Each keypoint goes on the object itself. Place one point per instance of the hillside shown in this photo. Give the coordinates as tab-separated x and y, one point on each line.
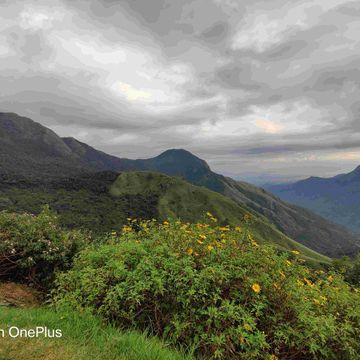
44	158
102	202
30	149
336	198
299	224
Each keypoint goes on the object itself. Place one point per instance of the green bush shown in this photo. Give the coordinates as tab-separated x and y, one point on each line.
349	268
214	289
32	247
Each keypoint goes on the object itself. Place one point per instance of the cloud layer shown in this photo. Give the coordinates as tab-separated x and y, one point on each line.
263	90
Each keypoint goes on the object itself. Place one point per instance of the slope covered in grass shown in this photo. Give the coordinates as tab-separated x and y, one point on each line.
83	337
178	199
102	202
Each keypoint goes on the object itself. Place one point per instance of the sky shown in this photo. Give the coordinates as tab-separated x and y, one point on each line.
265	91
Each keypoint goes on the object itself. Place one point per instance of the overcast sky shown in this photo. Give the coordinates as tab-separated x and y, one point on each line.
262	90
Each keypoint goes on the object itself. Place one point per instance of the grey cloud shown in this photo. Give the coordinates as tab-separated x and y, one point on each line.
215	32
315	65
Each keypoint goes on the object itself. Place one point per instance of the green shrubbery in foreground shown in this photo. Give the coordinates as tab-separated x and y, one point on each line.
209	289
215	290
32	247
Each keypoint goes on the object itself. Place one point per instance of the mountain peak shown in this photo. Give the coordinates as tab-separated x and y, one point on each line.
179	162
179	153
182	158
356	171
22	132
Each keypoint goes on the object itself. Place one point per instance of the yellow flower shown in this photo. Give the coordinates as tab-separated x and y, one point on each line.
256	288
295	252
282	275
273	357
288	263
308	282
210	247
316	302
247	327
209	214
276	286
166	222
190	251
247	217
200	242
201	236
238	228
254	243
127	228
330	278
224	228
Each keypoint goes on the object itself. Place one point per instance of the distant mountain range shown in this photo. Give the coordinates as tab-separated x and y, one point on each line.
336	198
31	151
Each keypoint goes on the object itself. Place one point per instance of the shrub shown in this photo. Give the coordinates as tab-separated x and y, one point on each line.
32	247
216	290
349	268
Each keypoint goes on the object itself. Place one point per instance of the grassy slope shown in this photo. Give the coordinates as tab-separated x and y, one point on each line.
84	337
180	199
86	202
298	223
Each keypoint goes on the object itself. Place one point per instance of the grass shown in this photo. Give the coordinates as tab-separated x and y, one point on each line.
84	337
87	203
179	199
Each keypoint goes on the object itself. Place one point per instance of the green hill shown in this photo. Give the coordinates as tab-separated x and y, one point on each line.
34	157
178	199
102	202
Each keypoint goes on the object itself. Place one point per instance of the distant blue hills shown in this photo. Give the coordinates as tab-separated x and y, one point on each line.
337	198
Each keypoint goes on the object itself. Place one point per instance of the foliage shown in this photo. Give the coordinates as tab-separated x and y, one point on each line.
101	204
349	268
32	247
215	289
80	202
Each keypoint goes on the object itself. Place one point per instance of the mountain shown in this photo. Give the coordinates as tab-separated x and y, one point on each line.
296	222
336	198
44	155
30	149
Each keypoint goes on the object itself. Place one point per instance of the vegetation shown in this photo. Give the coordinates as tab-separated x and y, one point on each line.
32	248
31	151
349	268
216	290
84	337
143	195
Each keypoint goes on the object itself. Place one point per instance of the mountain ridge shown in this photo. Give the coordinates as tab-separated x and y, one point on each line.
336	198
299	224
